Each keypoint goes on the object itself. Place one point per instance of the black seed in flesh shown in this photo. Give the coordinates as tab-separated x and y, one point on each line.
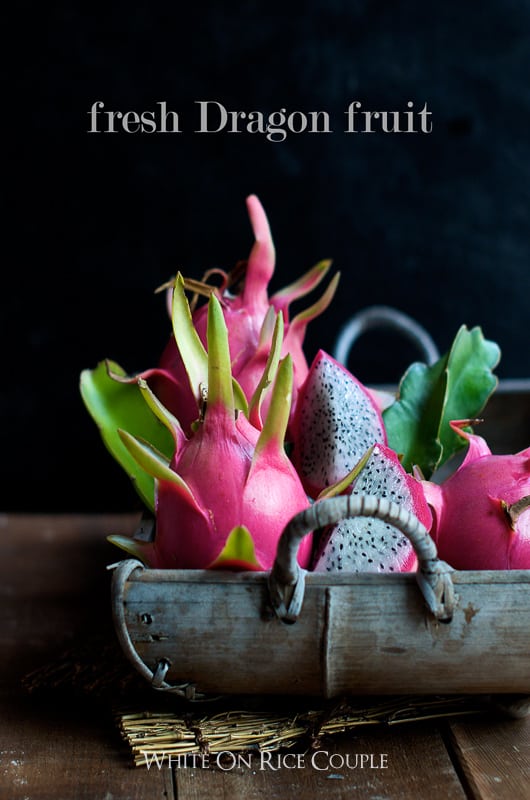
369	545
338	422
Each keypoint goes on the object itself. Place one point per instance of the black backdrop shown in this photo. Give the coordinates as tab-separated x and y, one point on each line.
434	224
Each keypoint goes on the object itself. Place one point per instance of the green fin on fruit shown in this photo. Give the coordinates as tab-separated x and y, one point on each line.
238	552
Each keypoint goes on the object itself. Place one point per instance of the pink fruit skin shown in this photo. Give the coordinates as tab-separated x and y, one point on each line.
471	526
226	474
244	316
216	464
244	313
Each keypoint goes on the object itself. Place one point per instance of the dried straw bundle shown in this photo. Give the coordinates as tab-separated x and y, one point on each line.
180	735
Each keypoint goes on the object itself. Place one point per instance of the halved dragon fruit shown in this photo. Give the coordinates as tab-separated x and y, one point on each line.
482	511
364	544
335	422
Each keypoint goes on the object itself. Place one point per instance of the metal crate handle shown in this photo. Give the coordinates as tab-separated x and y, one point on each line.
122	572
286	579
384	318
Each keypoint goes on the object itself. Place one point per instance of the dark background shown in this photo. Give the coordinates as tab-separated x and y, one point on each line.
436	225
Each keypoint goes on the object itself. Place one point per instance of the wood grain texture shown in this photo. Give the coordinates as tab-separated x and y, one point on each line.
416	765
54	588
494	755
56	751
362	634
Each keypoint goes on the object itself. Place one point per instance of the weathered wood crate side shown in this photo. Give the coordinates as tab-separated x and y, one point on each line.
356	634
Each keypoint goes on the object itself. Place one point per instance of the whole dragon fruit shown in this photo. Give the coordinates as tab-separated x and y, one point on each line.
229	490
482	511
249	315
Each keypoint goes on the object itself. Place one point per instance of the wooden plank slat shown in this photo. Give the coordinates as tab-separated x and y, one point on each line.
53	586
352	637
417	765
58	752
494	755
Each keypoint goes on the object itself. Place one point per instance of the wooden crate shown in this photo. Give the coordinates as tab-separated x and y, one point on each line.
215	632
356	634
227	633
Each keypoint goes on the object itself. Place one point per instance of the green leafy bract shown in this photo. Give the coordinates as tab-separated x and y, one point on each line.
457	386
238	551
114	404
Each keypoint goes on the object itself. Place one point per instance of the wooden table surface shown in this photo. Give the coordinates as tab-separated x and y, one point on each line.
54	588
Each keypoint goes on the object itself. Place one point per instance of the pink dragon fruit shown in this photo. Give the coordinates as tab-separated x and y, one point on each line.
335	422
482	511
250	317
364	544
229	490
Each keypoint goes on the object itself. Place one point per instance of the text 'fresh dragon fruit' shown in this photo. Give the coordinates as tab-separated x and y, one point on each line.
482	511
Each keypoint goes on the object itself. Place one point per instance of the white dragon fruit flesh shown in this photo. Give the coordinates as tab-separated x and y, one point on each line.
481	513
336	420
364	544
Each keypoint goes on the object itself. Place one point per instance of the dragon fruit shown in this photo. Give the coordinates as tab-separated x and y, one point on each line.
482	511
229	490
363	544
216	474
335	422
249	316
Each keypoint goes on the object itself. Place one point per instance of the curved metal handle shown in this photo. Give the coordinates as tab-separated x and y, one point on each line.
286	579
384	317
122	572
